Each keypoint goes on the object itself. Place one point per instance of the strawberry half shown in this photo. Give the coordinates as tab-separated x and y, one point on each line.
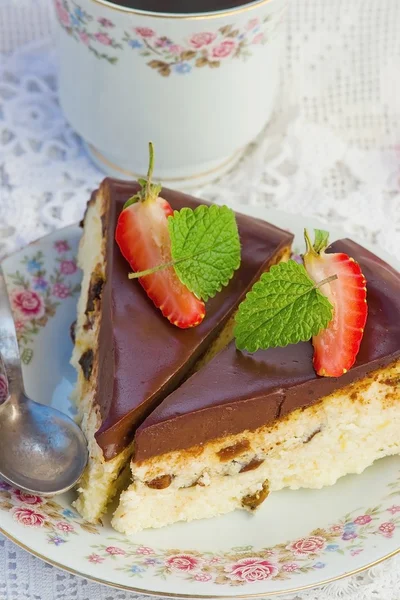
337	346
143	238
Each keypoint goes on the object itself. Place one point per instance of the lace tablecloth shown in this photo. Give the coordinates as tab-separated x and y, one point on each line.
332	151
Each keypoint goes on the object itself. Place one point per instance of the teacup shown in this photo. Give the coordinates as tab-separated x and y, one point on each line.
200	86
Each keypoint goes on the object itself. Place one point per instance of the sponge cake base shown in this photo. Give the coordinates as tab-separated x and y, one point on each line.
311	448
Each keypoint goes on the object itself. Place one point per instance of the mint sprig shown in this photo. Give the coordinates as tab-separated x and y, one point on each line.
284	307
205	249
205	245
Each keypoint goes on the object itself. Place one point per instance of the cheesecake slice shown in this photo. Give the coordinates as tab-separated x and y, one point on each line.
248	424
127	355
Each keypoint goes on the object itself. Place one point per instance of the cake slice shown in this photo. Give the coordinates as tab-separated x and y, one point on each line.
127	355
248	424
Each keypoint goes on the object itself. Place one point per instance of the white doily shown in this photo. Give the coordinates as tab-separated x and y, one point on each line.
331	151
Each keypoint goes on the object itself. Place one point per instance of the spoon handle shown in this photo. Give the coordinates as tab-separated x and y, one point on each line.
9	351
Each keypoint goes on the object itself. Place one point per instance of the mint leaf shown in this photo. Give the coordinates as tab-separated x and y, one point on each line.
284	307
205	248
321	240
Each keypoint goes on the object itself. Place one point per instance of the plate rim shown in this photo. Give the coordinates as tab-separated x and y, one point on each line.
256	212
160	594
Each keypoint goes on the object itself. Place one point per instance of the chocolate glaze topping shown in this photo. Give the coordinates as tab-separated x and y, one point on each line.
142	357
238	391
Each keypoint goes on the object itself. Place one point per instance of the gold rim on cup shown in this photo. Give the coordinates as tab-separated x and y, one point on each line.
184	17
108	163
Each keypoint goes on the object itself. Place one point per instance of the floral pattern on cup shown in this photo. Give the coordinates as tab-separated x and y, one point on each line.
166	56
235	567
35	294
95	34
203	49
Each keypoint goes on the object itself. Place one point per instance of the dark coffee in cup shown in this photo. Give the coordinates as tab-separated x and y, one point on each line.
180	6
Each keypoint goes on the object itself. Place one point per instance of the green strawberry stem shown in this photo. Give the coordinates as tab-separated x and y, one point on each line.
148	191
320	242
309	244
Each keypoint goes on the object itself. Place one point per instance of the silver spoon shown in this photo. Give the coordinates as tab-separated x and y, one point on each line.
42	451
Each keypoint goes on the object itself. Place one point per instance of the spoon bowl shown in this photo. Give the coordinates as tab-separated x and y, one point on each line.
42	450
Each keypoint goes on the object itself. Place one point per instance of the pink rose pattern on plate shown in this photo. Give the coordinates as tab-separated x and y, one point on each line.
182	562
236	567
28	516
26	304
35	294
202	49
65	527
114	551
95	558
252	569
26	498
29	510
307	545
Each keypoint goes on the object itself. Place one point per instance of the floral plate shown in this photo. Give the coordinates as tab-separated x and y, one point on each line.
298	539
